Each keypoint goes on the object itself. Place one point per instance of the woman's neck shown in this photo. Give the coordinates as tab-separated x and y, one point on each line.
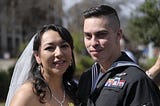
54	81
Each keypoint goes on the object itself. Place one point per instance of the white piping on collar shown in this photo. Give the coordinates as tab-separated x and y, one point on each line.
95	71
122	63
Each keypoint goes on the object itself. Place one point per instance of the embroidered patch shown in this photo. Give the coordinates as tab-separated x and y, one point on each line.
116	82
121	74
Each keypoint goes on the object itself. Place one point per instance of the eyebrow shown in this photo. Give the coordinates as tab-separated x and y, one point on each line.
101	31
52	43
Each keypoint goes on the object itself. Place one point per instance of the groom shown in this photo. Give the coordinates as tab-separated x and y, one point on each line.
114	79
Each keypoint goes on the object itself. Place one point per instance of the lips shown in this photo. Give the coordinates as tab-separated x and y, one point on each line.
59	62
95	52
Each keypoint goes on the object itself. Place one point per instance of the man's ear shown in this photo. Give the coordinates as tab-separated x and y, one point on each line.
119	34
37	56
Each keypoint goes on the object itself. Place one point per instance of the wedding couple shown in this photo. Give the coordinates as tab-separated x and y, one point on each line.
43	75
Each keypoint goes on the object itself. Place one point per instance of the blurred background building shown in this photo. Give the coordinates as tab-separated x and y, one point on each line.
20	19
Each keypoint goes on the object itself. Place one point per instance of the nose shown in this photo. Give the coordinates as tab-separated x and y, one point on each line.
94	41
58	52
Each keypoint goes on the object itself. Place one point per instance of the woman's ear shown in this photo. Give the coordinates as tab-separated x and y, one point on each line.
37	56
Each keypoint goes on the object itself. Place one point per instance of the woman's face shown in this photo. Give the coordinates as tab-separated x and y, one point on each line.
54	53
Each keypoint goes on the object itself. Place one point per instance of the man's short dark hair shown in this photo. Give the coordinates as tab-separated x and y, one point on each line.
103	10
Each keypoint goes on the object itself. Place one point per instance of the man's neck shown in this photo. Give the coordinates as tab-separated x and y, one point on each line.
107	64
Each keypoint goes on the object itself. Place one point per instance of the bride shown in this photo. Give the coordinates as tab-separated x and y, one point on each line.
43	75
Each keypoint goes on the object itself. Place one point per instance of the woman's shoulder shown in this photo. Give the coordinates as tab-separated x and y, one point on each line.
24	96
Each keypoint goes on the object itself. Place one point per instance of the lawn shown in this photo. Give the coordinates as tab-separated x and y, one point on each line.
1	104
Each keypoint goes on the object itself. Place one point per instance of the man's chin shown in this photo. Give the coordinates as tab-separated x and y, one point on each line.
95	59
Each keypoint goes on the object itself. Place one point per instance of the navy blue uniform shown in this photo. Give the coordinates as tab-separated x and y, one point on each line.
124	84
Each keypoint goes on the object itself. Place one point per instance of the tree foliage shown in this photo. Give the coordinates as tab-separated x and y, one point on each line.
144	27
83	60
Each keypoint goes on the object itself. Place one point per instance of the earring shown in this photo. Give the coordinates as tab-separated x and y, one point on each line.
70	63
38	69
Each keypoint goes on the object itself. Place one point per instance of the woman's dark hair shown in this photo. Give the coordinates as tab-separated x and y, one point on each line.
40	85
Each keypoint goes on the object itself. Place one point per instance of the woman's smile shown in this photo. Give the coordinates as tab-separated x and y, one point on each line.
59	63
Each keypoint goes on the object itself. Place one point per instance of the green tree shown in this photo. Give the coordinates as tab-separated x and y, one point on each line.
145	26
4	84
83	60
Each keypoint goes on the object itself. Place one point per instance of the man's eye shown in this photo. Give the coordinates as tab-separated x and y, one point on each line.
102	34
87	36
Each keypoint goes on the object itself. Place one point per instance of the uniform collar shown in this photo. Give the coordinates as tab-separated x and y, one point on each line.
123	60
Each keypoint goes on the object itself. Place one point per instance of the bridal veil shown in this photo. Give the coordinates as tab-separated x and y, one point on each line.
21	71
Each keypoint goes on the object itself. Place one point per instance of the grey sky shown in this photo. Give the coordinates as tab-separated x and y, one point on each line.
128	8
69	3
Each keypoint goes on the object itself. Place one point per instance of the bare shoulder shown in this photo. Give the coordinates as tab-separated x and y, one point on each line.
25	96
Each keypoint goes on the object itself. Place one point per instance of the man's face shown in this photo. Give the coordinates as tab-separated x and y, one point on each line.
100	40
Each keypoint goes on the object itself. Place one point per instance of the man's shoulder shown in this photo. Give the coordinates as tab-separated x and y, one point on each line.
135	71
135	74
87	72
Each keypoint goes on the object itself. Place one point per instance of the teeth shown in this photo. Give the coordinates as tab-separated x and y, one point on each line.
59	62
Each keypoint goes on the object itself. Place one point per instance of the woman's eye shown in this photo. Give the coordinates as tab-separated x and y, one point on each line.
65	45
50	48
